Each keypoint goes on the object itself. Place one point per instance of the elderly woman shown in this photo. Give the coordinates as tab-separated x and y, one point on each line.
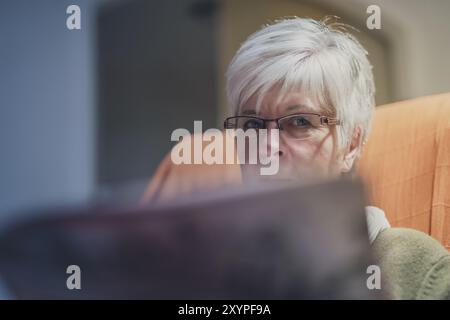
312	81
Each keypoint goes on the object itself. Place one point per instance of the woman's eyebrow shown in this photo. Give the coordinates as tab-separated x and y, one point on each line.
248	112
295	107
300	107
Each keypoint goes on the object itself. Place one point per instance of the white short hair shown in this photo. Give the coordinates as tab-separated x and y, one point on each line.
319	58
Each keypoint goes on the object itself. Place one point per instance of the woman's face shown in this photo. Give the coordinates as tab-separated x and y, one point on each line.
314	157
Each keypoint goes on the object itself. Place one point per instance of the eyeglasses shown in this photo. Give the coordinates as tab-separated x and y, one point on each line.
298	126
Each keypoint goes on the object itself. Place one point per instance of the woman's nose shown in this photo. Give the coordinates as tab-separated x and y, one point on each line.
271	124
274	144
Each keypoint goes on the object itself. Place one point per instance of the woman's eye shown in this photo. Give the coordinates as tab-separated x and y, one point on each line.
301	122
252	124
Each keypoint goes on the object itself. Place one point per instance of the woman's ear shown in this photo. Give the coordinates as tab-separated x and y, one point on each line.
352	151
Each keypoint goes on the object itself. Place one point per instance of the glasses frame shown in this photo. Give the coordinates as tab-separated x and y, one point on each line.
324	120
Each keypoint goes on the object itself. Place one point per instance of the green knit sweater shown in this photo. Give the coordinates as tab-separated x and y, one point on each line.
413	265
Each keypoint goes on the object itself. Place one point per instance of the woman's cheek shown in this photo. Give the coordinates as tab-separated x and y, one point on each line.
314	156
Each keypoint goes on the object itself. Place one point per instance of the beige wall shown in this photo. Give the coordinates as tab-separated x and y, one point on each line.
419	33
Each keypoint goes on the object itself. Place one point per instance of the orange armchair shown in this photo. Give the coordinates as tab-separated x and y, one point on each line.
405	165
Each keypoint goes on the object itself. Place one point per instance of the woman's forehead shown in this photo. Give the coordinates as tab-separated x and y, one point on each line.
273	103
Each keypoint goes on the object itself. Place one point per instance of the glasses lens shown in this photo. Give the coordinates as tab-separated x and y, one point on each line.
301	126
246	123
